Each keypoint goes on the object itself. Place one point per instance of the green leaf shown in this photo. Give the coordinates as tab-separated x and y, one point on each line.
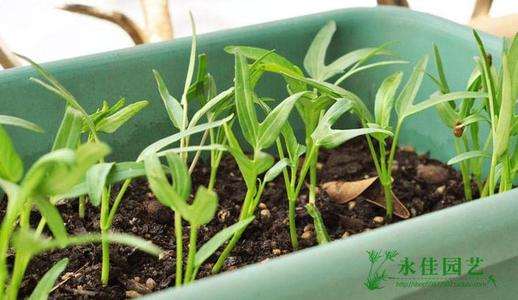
406	97
46	283
347	60
327	137
180	174
320	227
203	207
119	172
27	242
434	100
11	165
447	114
503	128
96	178
159	184
54	86
314	61
53	219
223	96
172	106
246	113
271	127
335	137
162	143
263	162
211	147
385	98
467	155
274	171
113	122
57	172
353	71
218	240
246	166
440	70
69	133
14	121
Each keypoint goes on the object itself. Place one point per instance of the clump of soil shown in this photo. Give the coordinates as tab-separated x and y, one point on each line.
422	184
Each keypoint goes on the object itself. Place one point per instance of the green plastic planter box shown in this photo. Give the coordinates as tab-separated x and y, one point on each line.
485	229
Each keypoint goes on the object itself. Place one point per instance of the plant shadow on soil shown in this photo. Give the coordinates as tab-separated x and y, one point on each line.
134	273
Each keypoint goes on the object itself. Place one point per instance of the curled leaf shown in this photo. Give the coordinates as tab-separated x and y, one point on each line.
345	191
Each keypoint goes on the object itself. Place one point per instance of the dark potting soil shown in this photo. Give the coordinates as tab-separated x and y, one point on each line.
422	184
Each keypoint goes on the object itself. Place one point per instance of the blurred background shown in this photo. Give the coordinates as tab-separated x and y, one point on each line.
48	30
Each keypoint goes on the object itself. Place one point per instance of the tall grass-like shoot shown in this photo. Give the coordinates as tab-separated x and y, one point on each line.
497	110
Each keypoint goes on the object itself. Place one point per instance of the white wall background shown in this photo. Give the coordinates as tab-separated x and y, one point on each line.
37	29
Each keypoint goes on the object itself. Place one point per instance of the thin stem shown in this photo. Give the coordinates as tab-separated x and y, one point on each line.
230	246
20	264
293	226
198	153
305	167
178	231
82	207
389	201
466	176
105	265
193	236
105	243
117	201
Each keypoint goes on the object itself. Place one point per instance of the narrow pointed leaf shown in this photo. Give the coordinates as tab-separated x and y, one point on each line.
172	106
180	174
69	133
162	143
96	178
113	122
274	171
53	218
218	240
11	165
203	207
407	96
385	98
14	121
246	113
434	100
46	283
314	61
271	127
466	156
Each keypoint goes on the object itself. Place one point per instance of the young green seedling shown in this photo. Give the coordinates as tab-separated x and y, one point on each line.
197	214
53	174
498	110
312	105
213	106
259	135
77	122
388	99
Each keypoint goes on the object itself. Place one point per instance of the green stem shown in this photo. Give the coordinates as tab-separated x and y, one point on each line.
178	231
304	170
117	201
82	207
20	264
193	236
235	238
389	202
293	226
464	170
105	265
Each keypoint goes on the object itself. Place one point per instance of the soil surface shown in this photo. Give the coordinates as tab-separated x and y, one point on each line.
422	184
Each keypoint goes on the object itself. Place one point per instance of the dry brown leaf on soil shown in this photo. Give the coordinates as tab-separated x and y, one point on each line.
345	191
400	210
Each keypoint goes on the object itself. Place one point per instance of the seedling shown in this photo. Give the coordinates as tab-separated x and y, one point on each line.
312	105
259	135
497	110
53	174
178	112
388	99
75	123
197	214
